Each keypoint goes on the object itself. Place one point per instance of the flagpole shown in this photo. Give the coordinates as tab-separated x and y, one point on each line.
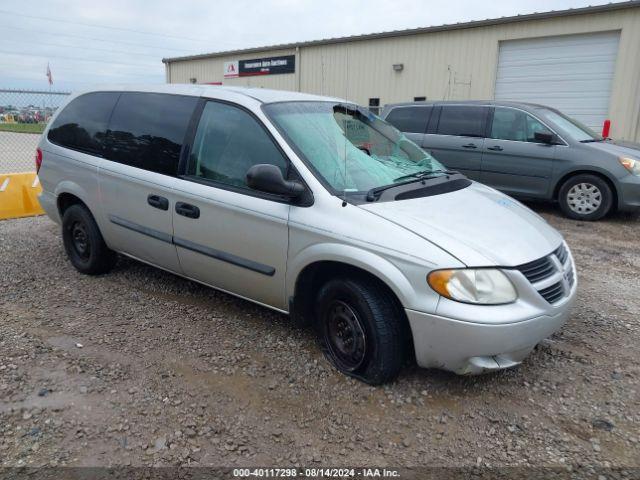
49	78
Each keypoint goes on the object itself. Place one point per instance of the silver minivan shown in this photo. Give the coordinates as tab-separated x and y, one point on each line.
311	206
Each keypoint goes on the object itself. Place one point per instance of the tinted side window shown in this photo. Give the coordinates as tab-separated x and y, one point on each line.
147	130
410	119
228	142
515	125
466	121
82	125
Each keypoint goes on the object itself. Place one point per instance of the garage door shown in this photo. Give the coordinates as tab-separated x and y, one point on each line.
572	73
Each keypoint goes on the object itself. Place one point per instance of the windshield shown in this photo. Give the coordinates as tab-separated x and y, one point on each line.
575	129
349	147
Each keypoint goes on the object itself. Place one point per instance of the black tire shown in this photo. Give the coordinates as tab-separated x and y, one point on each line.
378	319
585	197
83	242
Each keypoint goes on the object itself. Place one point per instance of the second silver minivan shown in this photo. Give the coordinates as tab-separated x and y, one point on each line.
311	206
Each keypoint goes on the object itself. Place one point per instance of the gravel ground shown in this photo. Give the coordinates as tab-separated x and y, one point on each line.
140	367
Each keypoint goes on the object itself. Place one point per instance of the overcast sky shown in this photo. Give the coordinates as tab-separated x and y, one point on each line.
123	41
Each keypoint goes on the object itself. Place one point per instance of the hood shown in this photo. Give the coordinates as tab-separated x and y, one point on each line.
477	225
619	148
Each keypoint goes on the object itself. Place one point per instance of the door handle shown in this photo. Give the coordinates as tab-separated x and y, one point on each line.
470	145
495	148
156	201
187	210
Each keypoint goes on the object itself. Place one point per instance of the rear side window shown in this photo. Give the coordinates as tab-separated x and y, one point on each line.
147	130
410	119
462	120
82	125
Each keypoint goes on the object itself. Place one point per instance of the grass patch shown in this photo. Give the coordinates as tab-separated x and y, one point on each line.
22	127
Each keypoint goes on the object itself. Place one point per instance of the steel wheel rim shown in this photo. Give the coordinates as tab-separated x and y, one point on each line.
584	198
345	336
80	240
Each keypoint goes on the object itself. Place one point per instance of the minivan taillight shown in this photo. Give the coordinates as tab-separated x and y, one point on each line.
38	159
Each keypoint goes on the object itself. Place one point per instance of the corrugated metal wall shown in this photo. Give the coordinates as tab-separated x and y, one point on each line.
455	64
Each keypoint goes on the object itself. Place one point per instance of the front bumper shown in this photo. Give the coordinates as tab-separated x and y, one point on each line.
629	193
468	348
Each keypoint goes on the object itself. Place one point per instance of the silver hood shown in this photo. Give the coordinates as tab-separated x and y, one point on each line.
477	225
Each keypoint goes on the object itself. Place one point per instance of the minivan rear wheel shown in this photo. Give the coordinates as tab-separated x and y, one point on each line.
585	197
361	330
83	242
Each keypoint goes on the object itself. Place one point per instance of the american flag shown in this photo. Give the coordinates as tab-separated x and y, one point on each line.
49	75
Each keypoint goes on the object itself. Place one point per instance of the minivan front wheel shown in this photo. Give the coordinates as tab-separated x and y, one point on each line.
83	242
585	197
361	329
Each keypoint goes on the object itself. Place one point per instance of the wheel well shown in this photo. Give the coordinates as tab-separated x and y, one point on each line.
65	200
313	276
589	172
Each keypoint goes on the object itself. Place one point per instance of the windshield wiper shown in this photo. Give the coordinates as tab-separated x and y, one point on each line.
592	140
376	191
423	174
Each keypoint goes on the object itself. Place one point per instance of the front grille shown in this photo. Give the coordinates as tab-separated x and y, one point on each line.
547	268
538	269
570	278
562	254
553	293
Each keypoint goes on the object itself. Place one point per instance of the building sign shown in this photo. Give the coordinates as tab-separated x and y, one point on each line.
231	69
260	66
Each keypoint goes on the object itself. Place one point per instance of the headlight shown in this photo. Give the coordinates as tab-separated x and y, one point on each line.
630	164
484	286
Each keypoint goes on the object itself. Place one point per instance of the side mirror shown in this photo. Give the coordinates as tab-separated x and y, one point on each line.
268	178
544	137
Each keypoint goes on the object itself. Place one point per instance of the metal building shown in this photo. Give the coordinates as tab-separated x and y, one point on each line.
584	61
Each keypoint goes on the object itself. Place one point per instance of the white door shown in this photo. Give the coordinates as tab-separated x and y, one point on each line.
572	73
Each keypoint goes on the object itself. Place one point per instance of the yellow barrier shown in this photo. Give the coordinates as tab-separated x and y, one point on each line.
19	195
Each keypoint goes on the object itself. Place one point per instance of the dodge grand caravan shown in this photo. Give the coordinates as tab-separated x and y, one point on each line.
313	207
528	151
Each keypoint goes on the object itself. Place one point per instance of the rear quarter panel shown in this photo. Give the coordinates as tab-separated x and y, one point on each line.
67	171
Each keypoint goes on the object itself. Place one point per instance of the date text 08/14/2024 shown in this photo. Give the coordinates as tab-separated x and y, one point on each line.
316	472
